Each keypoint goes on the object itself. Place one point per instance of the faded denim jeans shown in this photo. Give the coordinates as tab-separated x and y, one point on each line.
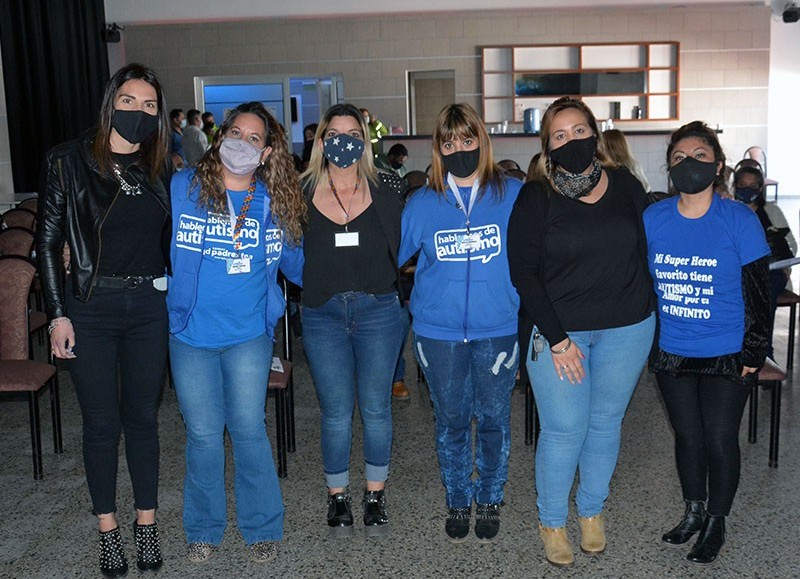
471	380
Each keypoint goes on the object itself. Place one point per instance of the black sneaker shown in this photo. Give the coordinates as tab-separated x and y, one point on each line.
340	515
457	524
487	522
376	521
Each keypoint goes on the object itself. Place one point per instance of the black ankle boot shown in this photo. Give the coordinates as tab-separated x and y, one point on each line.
340	515
709	542
113	562
376	521
148	547
457	524
693	520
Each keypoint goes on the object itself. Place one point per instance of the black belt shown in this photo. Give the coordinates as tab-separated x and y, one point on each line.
127	282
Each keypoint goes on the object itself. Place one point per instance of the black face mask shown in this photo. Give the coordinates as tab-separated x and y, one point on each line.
134	126
747	194
462	164
396	164
692	176
576	155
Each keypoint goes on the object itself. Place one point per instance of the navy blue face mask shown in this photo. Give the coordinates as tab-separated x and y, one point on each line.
747	194
342	150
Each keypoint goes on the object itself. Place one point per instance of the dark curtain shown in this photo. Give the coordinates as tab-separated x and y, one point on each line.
55	67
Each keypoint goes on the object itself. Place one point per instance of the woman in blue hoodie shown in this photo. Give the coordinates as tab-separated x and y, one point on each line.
235	221
464	312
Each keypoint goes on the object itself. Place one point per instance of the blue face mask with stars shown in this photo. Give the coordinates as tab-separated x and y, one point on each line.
342	150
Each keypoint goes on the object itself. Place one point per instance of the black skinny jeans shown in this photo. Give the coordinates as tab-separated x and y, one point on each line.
705	413
120	334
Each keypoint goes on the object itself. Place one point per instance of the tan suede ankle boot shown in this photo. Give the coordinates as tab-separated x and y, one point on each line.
557	549
593	535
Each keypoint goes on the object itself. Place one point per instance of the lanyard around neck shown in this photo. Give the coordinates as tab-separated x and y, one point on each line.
238	221
467	210
339	201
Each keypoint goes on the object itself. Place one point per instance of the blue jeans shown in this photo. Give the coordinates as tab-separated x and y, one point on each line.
219	388
352	342
581	423
471	380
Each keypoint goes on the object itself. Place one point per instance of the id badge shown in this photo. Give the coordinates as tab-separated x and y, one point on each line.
470	242
346	239
238	265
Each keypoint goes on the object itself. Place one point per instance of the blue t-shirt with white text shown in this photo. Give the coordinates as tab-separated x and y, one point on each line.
696	265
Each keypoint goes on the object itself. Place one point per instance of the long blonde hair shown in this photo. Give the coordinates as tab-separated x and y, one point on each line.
543	169
459	121
287	202
618	149
318	164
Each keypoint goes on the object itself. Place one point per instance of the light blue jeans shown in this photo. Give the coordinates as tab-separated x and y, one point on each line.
352	342
581	423
219	388
471	380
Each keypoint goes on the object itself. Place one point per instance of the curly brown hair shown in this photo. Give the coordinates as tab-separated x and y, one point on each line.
287	202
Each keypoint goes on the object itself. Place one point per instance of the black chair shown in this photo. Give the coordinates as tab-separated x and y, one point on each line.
770	376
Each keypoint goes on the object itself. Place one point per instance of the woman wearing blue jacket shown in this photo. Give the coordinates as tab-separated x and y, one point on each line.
464	312
236	220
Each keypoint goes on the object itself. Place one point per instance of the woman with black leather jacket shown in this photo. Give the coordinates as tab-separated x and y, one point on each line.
105	195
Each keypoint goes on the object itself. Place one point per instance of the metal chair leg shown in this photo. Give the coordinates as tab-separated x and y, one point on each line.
36	435
775	424
752	424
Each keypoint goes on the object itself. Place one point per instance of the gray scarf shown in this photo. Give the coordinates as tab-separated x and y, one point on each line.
577	185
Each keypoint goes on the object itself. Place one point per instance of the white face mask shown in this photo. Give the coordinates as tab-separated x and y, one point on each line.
183	124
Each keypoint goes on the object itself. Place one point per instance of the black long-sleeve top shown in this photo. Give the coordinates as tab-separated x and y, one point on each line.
580	266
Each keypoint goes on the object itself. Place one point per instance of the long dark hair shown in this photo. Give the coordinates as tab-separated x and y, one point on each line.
154	148
278	172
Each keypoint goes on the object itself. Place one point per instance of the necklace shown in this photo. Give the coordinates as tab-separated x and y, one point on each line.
339	201
134	190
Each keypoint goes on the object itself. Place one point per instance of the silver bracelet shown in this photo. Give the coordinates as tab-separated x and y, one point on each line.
55	322
564	349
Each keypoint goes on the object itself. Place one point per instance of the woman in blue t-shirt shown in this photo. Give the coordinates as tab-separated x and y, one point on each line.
235	221
464	312
708	260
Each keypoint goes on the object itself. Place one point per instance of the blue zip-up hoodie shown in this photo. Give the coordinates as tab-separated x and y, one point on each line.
182	285
462	290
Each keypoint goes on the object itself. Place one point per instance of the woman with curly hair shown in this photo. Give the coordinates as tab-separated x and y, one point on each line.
236	220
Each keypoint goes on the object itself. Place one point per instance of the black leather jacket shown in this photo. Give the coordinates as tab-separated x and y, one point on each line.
74	200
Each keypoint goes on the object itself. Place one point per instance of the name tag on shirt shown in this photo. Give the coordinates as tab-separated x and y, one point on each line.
470	242
238	265
346	239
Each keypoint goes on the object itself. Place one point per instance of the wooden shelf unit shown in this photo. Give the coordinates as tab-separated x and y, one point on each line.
507	69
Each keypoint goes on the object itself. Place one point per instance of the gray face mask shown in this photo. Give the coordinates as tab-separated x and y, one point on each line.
239	156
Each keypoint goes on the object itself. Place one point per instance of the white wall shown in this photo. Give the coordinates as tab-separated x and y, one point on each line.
782	144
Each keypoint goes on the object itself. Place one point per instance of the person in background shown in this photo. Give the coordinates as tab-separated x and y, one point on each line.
709	348
532	167
619	150
464	312
749	189
308	144
177	121
394	160
209	126
236	220
577	254
193	140
377	131
351	310
115	338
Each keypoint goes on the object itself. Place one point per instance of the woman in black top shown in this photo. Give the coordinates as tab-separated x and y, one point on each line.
351	313
105	195
577	256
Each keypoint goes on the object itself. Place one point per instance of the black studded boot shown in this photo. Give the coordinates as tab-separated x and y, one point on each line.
113	562
709	542
376	520
692	522
148	547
